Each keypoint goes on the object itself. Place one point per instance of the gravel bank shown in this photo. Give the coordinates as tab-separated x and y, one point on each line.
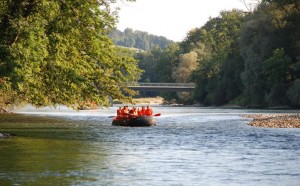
275	120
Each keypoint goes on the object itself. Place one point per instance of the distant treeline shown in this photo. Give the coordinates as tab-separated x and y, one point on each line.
138	39
246	58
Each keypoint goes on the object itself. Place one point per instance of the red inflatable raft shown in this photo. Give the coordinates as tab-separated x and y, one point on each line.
140	121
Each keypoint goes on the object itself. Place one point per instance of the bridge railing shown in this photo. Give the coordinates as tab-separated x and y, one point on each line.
188	85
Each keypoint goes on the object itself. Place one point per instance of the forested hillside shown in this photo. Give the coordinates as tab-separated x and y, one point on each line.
138	39
246	58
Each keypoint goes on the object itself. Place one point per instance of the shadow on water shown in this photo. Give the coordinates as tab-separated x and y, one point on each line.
47	151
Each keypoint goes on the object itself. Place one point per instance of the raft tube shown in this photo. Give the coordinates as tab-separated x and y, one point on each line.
141	121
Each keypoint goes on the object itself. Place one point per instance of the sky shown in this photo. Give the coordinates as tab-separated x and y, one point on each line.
171	18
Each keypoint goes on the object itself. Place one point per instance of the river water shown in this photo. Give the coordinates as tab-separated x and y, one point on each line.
189	146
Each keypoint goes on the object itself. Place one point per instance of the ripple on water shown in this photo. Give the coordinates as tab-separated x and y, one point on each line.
190	146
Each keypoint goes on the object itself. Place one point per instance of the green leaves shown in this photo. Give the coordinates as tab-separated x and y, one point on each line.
269	47
277	70
138	39
216	44
59	52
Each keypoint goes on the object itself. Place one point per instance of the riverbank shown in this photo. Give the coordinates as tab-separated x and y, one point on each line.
149	100
274	120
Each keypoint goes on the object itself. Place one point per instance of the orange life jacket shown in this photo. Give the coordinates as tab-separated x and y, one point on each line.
125	112
119	112
141	112
148	112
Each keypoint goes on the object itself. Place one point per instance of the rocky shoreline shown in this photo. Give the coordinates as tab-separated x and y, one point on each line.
274	120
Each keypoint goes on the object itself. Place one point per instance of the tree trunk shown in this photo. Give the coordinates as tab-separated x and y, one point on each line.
2	110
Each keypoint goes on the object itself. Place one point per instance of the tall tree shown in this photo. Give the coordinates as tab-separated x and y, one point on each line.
58	52
216	44
187	64
270	45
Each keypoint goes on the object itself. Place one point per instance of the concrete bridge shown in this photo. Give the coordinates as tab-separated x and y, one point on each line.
167	87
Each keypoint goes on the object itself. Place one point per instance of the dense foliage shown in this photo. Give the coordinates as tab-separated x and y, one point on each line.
138	39
157	65
58	52
219	63
246	58
270	45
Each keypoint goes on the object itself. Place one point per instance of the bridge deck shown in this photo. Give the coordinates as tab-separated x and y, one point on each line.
176	87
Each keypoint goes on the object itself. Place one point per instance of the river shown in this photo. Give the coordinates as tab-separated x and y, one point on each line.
189	146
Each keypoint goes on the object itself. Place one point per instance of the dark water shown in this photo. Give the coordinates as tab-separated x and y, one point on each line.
190	146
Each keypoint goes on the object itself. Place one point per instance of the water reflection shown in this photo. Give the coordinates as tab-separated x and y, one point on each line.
47	149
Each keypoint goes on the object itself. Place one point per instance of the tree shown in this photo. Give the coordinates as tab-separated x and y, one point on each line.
293	93
182	73
58	52
216	43
277	70
269	45
147	62
187	64
256	44
139	39
251	4
168	59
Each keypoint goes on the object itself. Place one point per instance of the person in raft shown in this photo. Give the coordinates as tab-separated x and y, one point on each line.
125	112
148	111
142	111
133	113
119	113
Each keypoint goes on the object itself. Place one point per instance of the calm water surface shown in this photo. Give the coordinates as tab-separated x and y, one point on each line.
190	146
